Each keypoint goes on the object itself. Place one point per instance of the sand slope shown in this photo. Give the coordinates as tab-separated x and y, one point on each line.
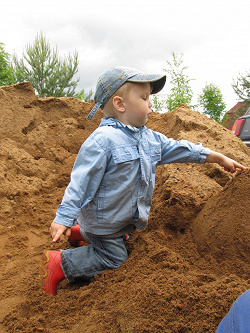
184	270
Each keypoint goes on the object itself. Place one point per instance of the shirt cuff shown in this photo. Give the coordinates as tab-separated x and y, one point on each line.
203	154
64	220
199	155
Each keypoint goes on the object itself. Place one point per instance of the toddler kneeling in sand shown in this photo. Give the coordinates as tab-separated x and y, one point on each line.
113	178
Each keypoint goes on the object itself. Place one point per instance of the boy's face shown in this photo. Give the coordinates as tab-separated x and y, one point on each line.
137	104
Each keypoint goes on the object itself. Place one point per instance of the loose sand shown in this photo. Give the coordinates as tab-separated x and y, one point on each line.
184	270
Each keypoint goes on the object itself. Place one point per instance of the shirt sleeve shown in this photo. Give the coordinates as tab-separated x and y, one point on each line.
86	177
182	151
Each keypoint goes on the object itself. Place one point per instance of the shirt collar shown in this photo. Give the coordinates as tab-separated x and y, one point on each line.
107	121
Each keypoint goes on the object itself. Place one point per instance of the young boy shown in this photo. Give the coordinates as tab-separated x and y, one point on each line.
113	178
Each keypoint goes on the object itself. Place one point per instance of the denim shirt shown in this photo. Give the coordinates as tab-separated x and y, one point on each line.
113	177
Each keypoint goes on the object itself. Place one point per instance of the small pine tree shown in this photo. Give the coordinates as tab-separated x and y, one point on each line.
49	74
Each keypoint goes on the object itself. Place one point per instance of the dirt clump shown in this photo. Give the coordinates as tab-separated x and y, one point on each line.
184	270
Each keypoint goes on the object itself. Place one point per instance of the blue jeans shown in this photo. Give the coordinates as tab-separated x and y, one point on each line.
237	319
83	262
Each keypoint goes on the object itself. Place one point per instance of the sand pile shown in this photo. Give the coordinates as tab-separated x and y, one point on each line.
184	271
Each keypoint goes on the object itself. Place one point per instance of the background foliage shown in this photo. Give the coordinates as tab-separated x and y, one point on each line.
6	71
53	75
180	91
211	100
49	74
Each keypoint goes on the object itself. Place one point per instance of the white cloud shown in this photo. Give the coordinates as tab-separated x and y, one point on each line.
212	35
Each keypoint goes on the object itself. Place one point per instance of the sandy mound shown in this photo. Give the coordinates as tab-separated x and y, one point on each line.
224	232
183	272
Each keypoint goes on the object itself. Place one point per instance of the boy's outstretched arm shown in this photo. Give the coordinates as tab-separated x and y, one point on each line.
227	163
56	230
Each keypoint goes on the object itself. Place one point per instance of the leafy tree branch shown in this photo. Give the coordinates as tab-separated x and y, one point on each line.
181	91
211	100
6	71
241	87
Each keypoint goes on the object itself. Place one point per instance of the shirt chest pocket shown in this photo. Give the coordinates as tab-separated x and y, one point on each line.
125	154
155	151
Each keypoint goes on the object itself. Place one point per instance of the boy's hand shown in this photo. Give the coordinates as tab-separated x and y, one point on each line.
57	230
227	163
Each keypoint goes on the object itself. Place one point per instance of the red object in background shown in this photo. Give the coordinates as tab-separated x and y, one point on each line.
237	126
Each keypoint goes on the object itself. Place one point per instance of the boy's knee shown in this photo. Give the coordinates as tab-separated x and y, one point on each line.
123	256
114	251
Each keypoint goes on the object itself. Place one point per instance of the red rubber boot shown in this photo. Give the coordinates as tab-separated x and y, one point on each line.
75	239
50	273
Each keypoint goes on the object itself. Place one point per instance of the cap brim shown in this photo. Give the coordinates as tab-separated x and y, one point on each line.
157	81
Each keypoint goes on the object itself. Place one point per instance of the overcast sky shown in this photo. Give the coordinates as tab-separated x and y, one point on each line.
213	36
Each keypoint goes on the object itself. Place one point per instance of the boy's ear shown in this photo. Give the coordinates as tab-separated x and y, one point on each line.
118	103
